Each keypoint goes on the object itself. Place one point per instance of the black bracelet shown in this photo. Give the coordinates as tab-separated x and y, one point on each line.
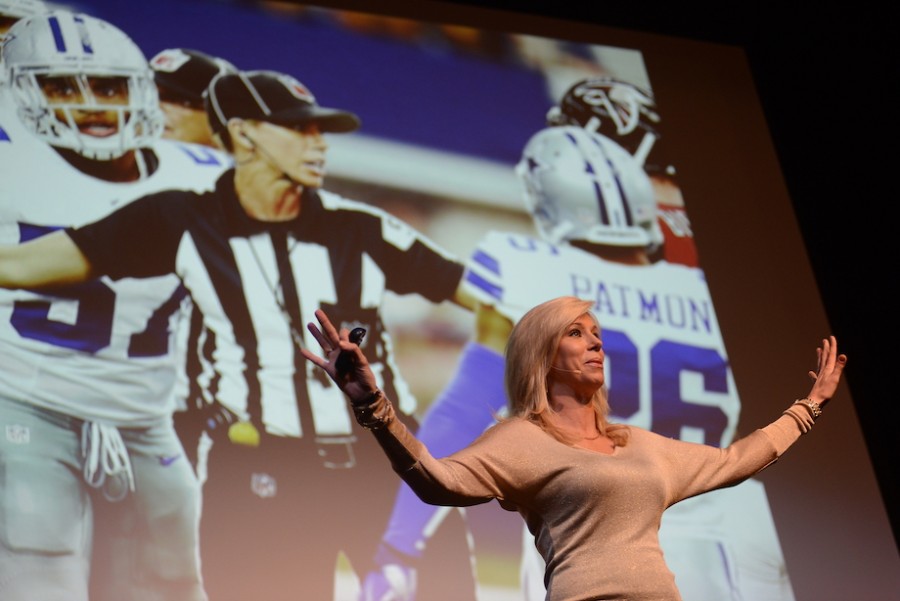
368	399
365	411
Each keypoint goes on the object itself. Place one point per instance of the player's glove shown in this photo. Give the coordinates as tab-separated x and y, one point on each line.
219	421
393	580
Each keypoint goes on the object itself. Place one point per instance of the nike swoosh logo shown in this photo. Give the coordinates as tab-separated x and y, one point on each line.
167	461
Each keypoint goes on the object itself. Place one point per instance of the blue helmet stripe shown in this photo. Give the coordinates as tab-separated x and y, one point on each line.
629	218
598	190
601	203
86	46
57	34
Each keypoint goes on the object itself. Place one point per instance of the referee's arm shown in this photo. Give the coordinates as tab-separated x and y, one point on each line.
463	298
50	260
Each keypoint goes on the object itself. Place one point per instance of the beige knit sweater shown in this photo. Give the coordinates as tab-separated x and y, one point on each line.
595	517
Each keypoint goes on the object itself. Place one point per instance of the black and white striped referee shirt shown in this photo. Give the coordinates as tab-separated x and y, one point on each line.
258	283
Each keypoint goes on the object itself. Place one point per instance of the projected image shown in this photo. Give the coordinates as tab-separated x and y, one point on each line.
227	168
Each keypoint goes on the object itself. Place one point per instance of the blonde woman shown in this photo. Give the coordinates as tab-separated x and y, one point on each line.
591	492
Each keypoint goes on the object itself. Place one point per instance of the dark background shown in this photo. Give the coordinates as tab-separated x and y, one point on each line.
827	79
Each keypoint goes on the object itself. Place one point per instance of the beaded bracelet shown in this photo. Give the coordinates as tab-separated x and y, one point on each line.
813	407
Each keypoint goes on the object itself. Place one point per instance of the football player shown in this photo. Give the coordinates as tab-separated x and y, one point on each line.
96	486
627	114
594	208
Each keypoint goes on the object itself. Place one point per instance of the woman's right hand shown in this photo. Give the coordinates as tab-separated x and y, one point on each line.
352	373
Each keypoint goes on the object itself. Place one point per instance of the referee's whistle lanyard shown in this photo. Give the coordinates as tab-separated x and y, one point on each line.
284	293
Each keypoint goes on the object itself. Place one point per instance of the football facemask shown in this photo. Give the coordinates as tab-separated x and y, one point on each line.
80	83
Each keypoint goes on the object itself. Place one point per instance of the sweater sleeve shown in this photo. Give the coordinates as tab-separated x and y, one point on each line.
699	468
471	476
784	431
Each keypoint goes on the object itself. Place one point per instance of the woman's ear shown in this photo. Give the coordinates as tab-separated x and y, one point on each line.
238	130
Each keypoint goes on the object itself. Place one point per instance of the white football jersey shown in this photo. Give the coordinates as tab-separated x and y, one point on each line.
101	350
666	366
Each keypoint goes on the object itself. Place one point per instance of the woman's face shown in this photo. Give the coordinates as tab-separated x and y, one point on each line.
579	356
297	152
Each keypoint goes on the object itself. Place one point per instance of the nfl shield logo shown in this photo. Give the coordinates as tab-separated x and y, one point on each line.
263	485
18	434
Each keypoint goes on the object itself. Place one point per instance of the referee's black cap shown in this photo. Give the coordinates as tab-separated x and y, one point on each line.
273	97
187	73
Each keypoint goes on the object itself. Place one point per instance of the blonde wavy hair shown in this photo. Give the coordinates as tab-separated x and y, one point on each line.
530	351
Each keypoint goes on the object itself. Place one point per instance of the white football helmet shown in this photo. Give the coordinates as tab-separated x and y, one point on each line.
580	185
13	10
80	48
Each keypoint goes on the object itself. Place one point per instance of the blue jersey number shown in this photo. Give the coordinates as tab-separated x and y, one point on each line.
668	360
94	305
